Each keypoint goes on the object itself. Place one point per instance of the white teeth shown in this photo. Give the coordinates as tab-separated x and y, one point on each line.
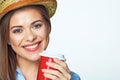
31	47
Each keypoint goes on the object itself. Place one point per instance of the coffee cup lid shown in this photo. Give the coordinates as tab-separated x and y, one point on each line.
53	55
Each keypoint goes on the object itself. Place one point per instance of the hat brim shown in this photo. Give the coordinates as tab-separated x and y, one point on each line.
50	6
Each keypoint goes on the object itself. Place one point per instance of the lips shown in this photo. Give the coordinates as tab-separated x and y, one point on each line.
32	47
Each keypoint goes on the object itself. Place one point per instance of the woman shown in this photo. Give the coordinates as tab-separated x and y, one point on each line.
24	33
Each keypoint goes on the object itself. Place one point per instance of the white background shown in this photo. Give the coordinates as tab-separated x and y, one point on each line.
87	32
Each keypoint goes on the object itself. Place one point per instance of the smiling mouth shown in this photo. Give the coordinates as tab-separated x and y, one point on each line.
32	47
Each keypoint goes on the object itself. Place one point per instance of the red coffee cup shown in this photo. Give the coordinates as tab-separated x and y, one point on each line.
47	56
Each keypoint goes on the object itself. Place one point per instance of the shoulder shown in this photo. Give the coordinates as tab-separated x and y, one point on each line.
74	76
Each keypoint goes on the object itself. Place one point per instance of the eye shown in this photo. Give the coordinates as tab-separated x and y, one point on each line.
17	31
36	26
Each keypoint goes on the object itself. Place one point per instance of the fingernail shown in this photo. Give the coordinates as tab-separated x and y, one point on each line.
47	63
43	70
56	59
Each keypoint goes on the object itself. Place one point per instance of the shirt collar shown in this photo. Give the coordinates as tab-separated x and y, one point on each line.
19	75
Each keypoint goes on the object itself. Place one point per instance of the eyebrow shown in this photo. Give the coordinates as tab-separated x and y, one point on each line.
36	21
15	26
21	26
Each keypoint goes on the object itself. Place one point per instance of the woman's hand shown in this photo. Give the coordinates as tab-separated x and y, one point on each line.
60	71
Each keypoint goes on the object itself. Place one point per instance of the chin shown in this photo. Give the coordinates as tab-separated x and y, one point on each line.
34	58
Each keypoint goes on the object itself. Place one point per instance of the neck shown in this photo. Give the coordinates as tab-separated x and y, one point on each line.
29	68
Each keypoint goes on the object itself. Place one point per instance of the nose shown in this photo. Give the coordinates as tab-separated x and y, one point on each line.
30	36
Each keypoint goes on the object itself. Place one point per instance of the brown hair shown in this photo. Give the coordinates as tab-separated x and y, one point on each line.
8	61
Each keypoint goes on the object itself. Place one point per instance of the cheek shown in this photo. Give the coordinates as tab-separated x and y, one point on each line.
44	33
15	40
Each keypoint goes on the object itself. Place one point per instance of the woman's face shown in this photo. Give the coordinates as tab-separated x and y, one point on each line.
28	34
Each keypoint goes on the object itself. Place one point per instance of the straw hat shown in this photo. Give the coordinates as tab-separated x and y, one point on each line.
8	5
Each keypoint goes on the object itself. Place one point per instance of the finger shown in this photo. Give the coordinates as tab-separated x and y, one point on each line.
60	69
62	63
52	77
53	74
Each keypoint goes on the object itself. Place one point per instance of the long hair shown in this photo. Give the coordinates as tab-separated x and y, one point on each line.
8	60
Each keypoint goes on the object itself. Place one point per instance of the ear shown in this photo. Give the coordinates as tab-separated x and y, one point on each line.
49	29
8	42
